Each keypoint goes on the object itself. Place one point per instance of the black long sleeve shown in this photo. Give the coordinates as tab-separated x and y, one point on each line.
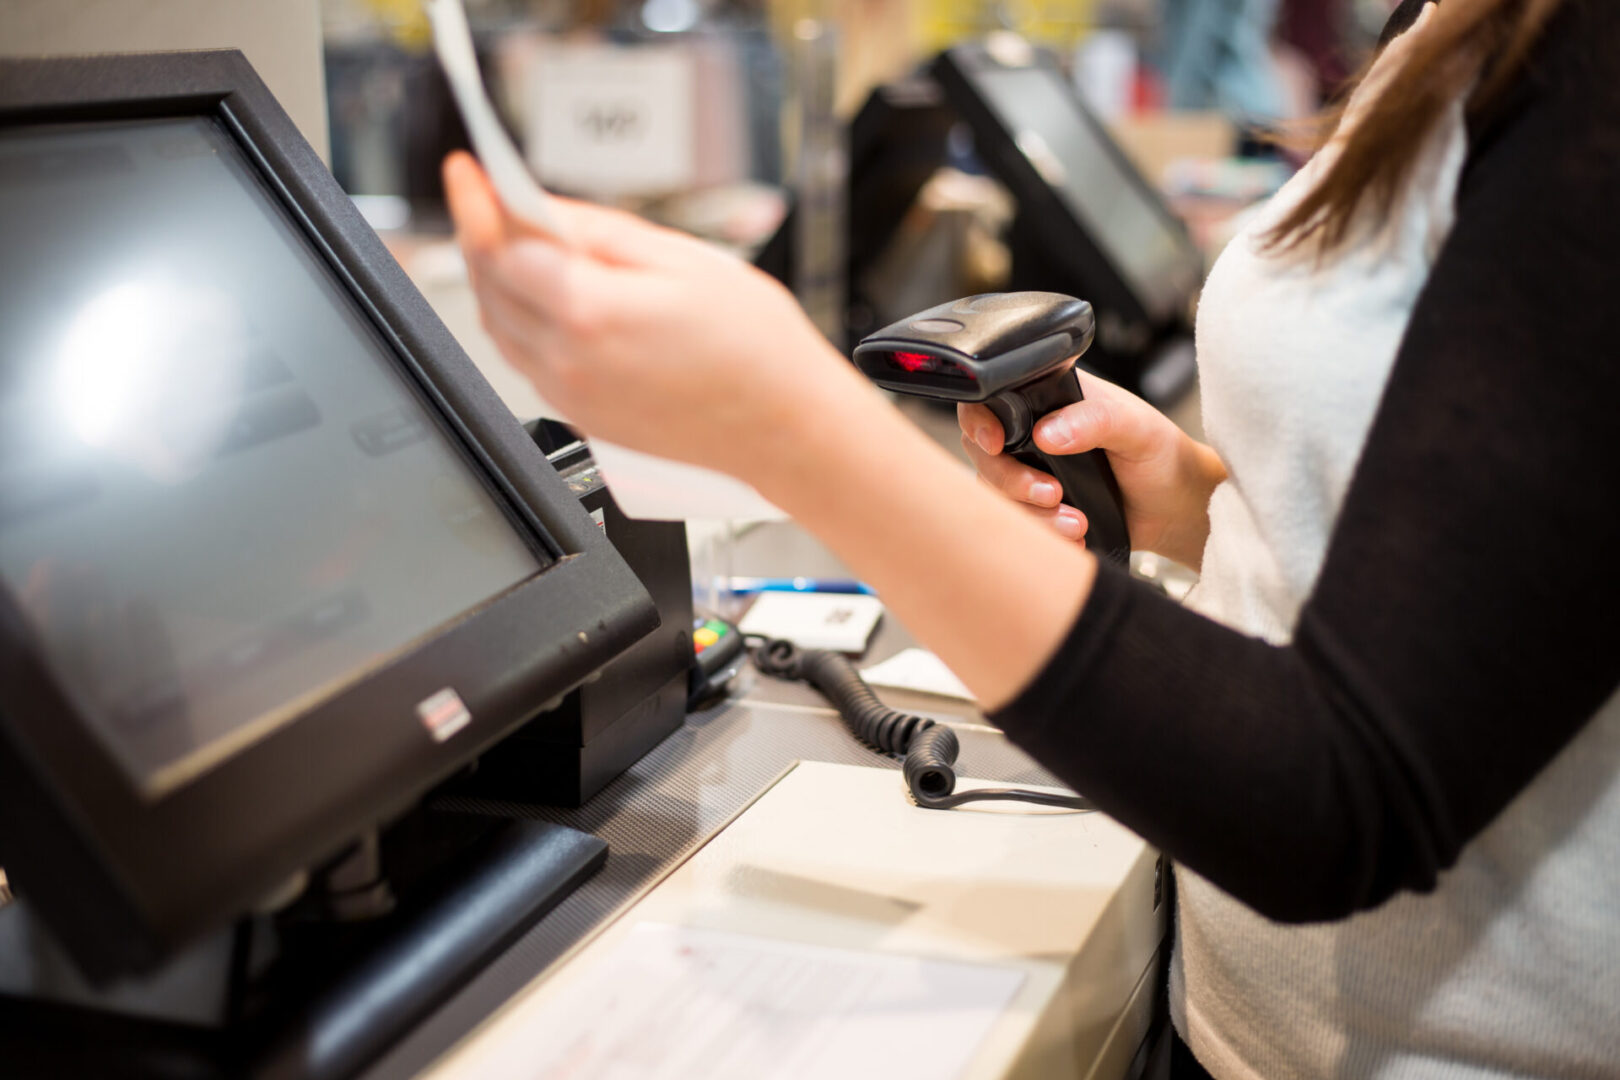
1464	625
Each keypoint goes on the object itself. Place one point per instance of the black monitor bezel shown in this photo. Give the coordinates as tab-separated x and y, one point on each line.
124	880
1068	244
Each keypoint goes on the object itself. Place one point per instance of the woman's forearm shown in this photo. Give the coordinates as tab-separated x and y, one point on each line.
978	580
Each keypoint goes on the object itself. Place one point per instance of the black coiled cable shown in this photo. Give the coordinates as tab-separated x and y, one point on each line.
929	750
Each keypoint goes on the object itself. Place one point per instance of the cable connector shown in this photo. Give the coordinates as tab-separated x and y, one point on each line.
928	750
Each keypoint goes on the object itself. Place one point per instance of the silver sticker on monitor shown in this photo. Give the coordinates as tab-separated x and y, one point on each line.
443	714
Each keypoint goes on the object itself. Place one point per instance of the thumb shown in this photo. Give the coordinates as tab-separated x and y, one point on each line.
1074	429
480	222
1110	417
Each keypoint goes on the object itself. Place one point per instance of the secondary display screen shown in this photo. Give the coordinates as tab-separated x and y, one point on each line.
1144	246
220	499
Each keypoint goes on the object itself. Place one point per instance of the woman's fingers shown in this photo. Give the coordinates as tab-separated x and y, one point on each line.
559	289
612	236
1012	477
1066	521
1030	489
513	322
980	425
527	345
536	276
1076	428
622	238
1110	417
1036	492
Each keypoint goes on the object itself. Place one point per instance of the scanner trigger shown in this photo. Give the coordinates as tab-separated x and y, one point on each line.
1016	421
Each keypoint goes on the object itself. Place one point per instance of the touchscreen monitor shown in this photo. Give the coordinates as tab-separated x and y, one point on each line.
275	560
1147	247
1088	222
219	500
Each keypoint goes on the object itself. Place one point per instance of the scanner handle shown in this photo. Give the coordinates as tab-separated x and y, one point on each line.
1087	479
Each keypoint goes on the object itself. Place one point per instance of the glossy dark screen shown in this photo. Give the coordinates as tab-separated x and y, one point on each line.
1133	230
220	499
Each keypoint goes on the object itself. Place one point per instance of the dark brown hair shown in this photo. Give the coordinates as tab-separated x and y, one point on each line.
1478	42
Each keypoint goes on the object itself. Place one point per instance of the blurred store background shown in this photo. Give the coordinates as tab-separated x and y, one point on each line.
697	115
720	116
1106	148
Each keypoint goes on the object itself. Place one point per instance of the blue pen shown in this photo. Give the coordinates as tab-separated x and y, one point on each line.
743	586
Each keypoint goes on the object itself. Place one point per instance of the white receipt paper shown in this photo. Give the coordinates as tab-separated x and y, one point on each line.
675	1002
644	486
842	622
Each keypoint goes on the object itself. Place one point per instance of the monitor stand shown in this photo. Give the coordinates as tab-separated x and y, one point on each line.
317	990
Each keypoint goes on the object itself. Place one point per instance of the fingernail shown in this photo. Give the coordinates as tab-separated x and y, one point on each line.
1069	524
1056	430
1043	492
981	436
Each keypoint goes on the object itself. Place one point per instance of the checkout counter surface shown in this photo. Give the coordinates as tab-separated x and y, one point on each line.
692	784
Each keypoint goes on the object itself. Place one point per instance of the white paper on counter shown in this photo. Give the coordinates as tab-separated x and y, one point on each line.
644	486
673	1002
920	670
840	622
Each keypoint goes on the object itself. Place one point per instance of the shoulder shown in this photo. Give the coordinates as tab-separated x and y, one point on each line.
1567	85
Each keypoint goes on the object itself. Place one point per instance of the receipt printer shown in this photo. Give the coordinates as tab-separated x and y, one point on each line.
578	744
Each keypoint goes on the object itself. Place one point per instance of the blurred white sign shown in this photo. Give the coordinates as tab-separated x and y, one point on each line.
605	120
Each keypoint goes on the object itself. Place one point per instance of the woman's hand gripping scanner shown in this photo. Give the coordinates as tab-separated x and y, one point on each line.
1014	352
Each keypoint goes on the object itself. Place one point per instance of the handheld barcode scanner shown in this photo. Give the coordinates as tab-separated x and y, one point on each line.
1015	352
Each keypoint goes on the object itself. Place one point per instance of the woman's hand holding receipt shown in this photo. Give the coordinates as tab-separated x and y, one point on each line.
644	486
640	334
